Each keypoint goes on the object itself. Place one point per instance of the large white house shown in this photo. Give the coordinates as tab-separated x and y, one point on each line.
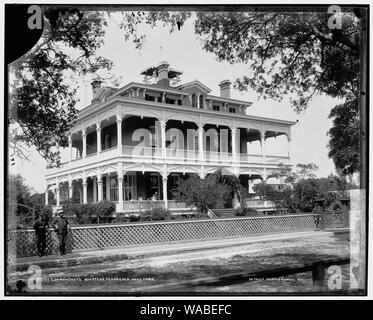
138	141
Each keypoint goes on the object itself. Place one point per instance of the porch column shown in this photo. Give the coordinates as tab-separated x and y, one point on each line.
289	147
198	105
234	151
94	189
119	134
70	189
70	148
163	97
120	190
84	136
263	144
84	190
108	187
57	194
200	142
163	138
98	132
100	186
164	180
46	196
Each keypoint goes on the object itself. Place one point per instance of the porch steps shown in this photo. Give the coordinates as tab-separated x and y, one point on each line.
224	213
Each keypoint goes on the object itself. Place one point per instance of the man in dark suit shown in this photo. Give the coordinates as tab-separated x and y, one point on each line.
61	226
41	227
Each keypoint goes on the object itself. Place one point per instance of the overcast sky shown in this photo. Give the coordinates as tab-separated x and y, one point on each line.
184	52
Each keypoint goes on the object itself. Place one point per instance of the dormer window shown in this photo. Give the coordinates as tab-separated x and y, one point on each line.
216	108
170	101
149	98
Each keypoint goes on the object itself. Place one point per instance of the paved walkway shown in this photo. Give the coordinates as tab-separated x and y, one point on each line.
133	252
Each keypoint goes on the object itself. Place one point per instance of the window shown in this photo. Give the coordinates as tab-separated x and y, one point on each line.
129	187
149	98
159	99
170	101
232	110
174	182
154	181
216	108
107	141
179	102
113	189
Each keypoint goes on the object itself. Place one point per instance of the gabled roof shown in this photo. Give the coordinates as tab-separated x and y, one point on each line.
194	83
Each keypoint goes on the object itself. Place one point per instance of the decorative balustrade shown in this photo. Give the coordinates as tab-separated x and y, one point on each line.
22	242
142	205
179	155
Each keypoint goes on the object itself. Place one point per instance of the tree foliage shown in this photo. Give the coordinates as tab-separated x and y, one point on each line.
302	189
204	193
344	143
42	101
24	204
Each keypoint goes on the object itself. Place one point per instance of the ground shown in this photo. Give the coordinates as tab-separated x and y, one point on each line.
134	276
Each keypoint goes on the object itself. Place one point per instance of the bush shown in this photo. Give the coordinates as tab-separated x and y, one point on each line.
200	215
89	212
243	212
160	214
155	213
47	212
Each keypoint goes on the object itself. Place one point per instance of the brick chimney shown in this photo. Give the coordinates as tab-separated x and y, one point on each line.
225	89
163	79
96	86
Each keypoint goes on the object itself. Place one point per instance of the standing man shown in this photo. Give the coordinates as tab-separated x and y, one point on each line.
61	226
41	226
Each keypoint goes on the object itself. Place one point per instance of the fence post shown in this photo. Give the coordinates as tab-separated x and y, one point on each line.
318	276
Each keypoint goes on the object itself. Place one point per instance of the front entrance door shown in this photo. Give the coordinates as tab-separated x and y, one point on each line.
130	186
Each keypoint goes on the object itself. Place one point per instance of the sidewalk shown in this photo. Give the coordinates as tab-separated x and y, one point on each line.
134	252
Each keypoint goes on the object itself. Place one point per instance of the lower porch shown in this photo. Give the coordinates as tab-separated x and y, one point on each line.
133	192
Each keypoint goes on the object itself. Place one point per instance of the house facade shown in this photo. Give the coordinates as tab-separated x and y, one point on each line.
137	142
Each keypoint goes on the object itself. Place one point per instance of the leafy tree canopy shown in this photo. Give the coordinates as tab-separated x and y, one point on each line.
42	102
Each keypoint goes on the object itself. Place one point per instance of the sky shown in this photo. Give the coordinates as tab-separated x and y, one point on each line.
184	52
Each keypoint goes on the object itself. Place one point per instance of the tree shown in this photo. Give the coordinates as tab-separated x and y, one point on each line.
288	54
234	183
344	140
204	193
24	204
289	176
280	198
42	97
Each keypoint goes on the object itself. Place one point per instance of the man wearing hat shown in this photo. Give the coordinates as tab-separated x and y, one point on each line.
61	226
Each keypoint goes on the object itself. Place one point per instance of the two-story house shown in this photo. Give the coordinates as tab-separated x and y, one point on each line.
138	141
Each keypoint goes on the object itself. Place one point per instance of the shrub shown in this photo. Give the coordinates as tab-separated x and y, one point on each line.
134	217
200	215
146	215
47	212
243	212
89	212
160	214
155	213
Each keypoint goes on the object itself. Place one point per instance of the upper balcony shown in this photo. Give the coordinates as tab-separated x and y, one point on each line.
133	154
